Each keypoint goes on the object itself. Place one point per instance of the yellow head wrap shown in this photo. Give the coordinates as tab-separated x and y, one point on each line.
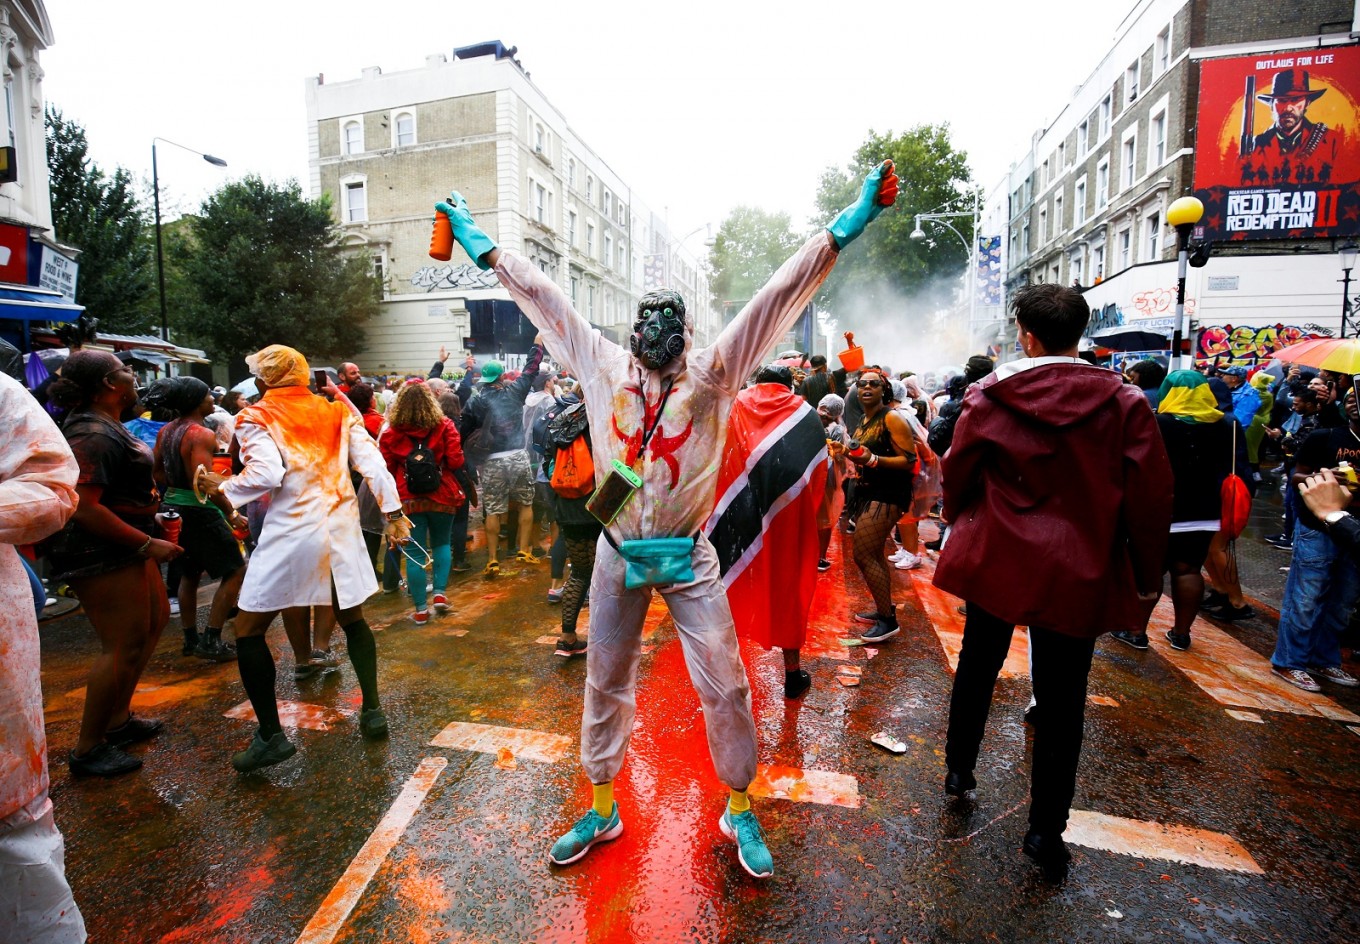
279	366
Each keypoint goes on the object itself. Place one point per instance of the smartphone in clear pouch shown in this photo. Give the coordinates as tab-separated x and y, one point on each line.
618	486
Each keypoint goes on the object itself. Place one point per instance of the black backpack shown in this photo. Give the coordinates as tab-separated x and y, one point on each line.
423	474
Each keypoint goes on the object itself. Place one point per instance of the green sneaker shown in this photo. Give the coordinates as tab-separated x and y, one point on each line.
589	829
751	849
373	724
262	753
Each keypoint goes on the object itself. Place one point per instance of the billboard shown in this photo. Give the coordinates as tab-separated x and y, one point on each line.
1277	153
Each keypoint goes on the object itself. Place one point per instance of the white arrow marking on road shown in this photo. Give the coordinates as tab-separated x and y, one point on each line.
490	739
1149	840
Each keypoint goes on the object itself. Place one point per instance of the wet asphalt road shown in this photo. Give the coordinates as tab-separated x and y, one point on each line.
186	850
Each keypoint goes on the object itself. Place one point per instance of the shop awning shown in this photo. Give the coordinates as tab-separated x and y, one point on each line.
30	303
146	346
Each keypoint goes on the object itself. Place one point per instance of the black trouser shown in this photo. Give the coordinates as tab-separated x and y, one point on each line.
1061	665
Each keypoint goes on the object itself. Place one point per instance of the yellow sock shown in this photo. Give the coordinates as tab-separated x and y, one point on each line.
604	799
740	802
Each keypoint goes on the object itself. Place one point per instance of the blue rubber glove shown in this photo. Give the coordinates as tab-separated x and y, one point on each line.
469	235
878	192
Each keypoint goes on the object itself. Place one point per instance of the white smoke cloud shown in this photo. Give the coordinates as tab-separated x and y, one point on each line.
925	332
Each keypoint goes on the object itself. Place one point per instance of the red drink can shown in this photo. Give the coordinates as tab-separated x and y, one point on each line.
170	525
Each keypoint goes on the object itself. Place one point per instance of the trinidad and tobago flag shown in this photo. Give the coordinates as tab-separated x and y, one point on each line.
764	526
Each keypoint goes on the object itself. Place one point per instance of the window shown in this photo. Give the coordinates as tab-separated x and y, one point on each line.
1131	82
356	202
1124	248
590	302
541	204
575	290
353	138
571	172
571	228
590	188
608	257
1106	115
1062	156
1024	239
1152	236
379	266
1083	135
405	129
1054	274
590	240
1074	267
1015	242
1079	203
1161	51
9	111
1057	214
538	139
1098	264
620	212
606	201
1157	144
1043	226
1128	172
623	258
1103	183
1044	178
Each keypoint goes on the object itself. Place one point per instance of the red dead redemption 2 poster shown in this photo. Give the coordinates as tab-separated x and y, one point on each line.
1277	154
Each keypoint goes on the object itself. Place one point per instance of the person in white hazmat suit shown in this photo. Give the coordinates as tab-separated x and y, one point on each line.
658	418
297	448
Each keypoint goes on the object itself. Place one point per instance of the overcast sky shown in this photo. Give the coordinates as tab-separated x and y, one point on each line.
698	105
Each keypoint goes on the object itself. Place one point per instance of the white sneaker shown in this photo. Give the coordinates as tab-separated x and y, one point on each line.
909	562
895	557
174	607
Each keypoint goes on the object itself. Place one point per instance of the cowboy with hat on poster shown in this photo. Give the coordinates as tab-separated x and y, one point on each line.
1293	136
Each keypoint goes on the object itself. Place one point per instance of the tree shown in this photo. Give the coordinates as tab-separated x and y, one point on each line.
751	244
885	265
102	217
260	265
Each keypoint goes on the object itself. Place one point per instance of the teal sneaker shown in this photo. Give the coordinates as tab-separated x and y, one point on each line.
750	838
589	829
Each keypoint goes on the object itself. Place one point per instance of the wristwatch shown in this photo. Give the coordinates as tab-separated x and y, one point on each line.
1332	517
393	515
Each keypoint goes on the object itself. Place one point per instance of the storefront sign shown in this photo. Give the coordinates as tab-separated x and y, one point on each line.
58	273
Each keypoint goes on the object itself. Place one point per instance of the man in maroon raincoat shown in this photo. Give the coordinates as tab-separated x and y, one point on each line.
1058	491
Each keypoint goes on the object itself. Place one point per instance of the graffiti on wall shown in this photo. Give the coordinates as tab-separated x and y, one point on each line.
1154	308
432	278
1223	345
1158	302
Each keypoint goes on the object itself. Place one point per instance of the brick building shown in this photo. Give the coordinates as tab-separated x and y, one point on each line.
1087	199
385	147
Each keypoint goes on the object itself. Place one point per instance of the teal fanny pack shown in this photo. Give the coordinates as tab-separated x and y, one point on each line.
656	562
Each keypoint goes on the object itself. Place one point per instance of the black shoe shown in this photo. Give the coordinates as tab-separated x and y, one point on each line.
882	630
1229	613
214	649
190	644
1213	599
957	784
373	724
824	565
796	683
1136	640
1181	643
1281	541
460	567
262	753
134	729
868	616
935	545
1050	852
569	649
305	671
103	760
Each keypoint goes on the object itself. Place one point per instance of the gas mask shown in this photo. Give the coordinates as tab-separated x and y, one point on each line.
659	329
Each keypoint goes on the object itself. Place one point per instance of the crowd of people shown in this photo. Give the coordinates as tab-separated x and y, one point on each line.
1061	496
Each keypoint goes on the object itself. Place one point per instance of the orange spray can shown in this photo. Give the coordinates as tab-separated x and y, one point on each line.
441	238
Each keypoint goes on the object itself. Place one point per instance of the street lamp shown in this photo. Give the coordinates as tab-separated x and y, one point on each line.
1183	214
970	286
156	190
1348	253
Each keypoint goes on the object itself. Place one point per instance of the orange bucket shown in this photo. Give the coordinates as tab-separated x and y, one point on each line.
852	358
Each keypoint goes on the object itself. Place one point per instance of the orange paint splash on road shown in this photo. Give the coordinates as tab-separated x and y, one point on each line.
942	610
1233	674
234	900
1148	840
806	786
490	739
296	714
1104	700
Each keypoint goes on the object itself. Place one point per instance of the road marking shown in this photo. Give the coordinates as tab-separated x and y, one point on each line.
1251	716
1233	674
297	714
335	910
942	611
805	786
1105	700
490	739
1355	729
1147	840
455	632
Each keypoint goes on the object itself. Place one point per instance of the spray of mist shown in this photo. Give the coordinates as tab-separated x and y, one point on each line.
925	331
